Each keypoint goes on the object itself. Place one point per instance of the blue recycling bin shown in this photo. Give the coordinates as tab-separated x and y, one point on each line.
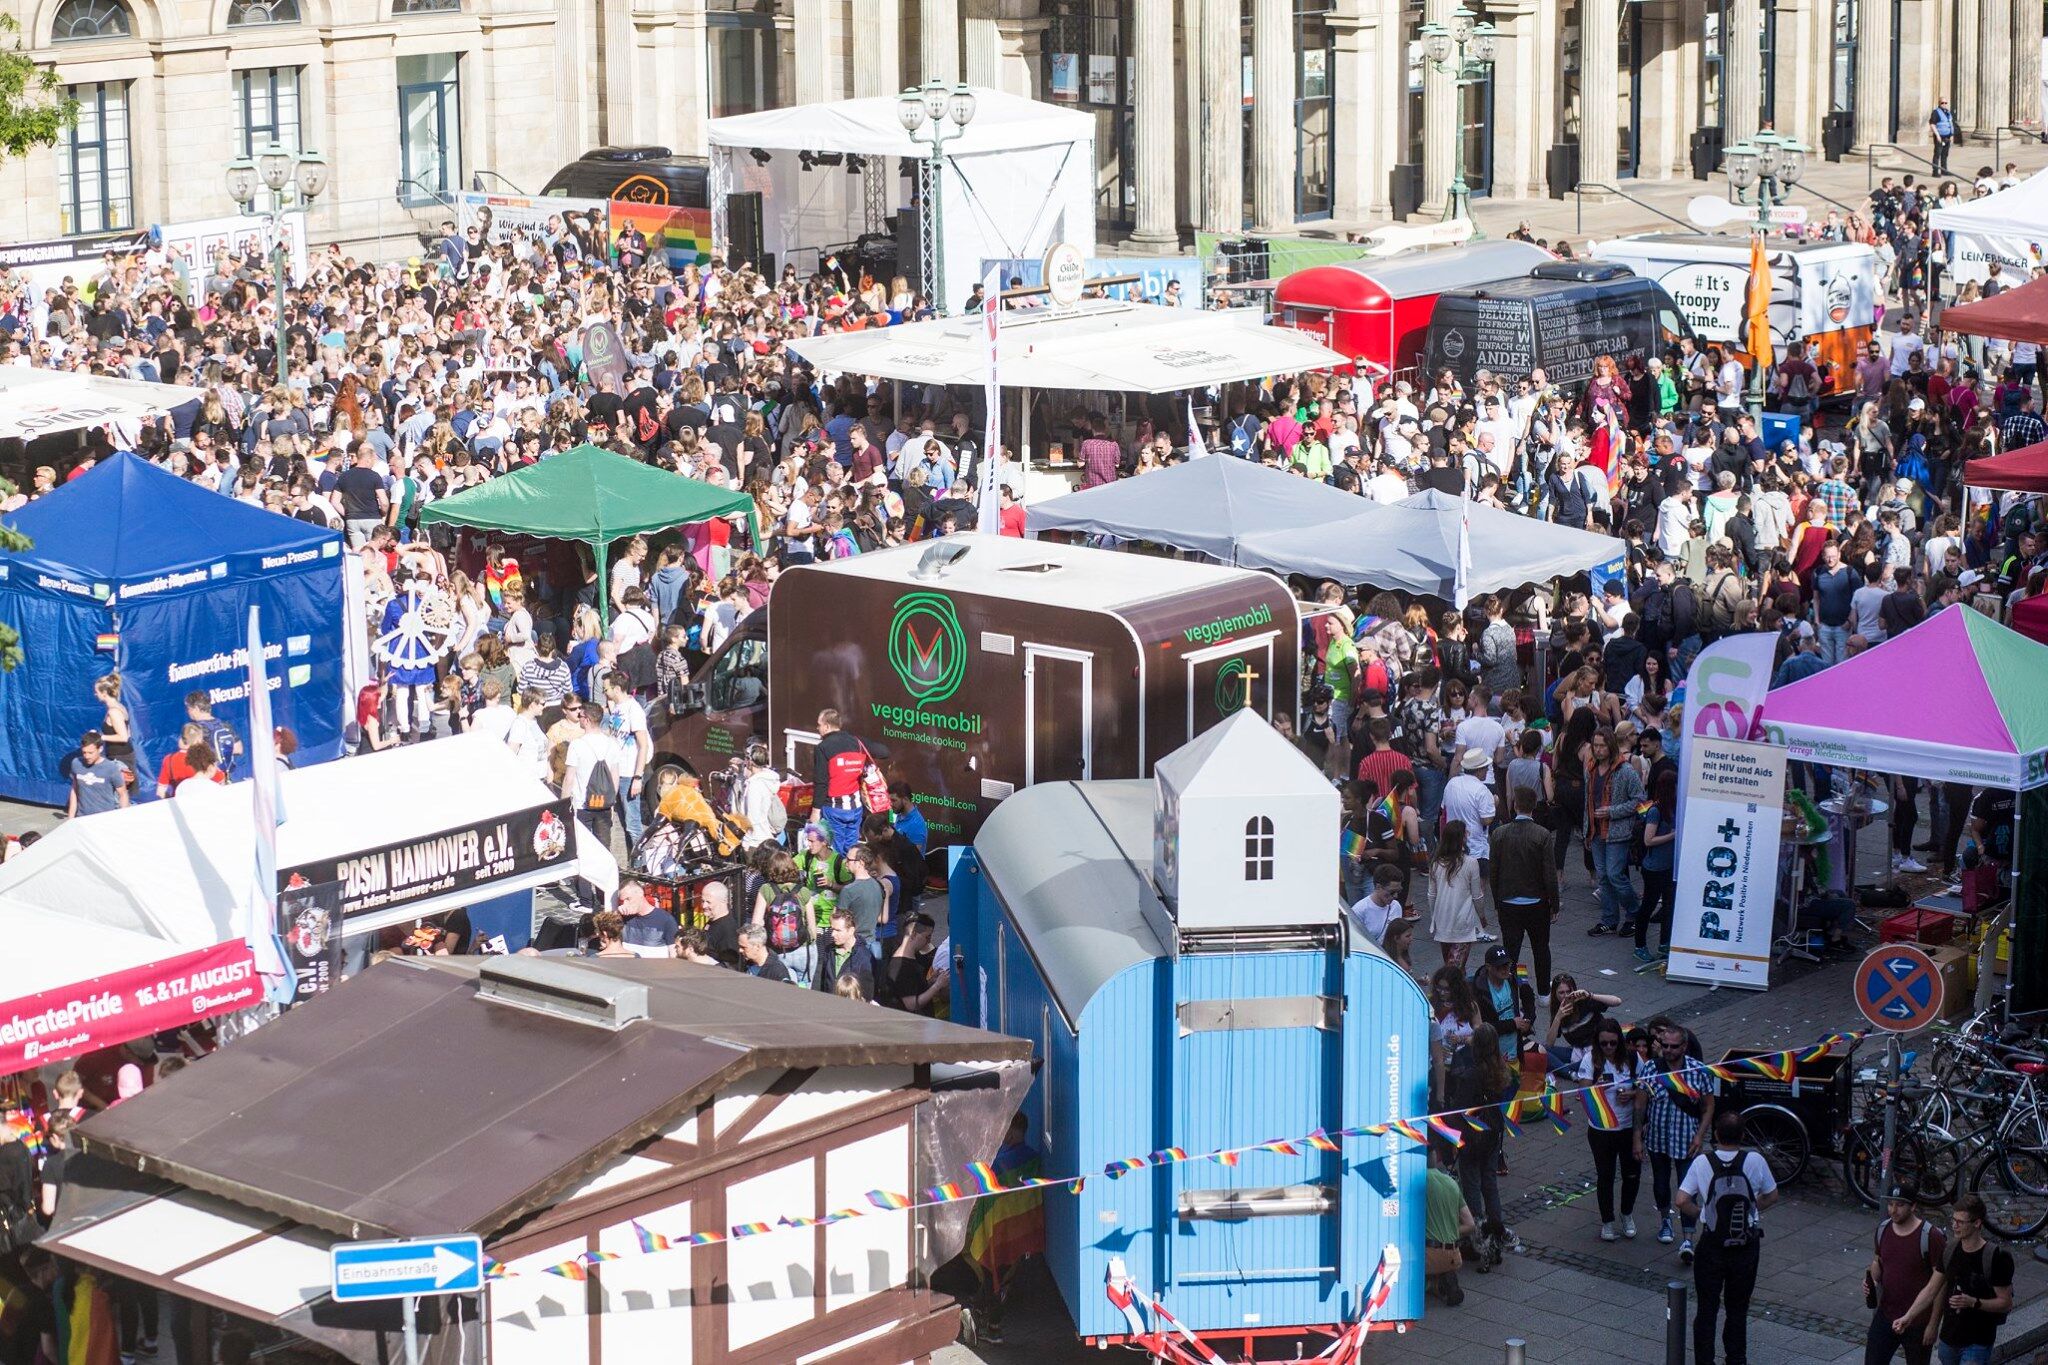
1777	428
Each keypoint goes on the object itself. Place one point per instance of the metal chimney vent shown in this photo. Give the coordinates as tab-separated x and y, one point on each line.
562	990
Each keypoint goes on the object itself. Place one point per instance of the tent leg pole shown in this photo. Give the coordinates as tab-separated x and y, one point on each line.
599	549
896	401
1024	445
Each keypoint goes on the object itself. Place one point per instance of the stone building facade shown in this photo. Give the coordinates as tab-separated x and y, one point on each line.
1218	114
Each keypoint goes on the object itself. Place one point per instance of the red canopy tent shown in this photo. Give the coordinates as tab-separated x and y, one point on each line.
2030	618
2019	314
2017	471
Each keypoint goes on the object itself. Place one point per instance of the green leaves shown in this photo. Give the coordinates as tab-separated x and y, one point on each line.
34	111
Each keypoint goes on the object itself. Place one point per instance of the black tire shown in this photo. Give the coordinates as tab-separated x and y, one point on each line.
1780	1138
2010	1183
1863	1165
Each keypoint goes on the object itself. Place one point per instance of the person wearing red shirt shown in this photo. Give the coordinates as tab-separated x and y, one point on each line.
1010	520
1380	765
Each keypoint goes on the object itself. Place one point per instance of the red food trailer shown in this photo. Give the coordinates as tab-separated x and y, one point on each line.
1377	311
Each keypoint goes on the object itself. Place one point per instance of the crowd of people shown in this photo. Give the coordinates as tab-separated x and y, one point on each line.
1468	759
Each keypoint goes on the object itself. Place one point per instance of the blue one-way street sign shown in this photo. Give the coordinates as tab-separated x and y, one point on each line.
397	1270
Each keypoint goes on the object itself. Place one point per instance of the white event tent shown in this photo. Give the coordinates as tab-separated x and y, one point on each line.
39	402
128	888
2010	227
1101	344
1018	178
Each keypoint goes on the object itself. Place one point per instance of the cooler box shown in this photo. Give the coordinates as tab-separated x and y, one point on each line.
1958	979
1917	926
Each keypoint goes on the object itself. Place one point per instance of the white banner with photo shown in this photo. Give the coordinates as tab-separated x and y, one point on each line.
1726	869
504	217
1971	256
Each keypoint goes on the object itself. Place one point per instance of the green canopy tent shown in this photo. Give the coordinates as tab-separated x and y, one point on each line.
592	495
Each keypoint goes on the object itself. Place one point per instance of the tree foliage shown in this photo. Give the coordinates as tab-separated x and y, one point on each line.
34	111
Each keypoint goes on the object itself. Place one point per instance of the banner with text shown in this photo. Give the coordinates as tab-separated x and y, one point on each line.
71	1021
472	858
1726	873
502	218
309	921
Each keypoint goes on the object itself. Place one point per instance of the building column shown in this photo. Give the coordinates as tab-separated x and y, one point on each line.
817	31
1005	39
1994	65
938	39
1157	223
1962	100
1518	97
1801	69
1670	89
877	39
1439	121
1222	158
1360	173
1922	40
2026	64
1742	71
1273	121
1599	89
1874	40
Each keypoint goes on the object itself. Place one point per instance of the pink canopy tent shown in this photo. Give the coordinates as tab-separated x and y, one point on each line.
1990	728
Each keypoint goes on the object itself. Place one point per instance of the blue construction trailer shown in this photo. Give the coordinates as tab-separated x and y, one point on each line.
1175	950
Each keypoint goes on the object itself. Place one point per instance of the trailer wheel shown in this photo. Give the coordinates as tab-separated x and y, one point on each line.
1779	1138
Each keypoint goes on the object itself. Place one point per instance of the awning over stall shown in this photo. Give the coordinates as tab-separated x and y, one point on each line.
1098	344
1202	505
37	402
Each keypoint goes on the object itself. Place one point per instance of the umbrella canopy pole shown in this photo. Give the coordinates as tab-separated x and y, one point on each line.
600	549
1024	444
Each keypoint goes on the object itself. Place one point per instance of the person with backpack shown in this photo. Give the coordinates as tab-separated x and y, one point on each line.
1725	594
761	799
1978	1279
782	912
1903	1283
1478	1074
1728	1187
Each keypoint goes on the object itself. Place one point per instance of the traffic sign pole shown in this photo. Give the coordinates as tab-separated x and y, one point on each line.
412	1329
1891	1115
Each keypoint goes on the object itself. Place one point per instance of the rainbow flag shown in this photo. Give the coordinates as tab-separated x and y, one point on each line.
1558	1121
1354	844
1167	1156
947	1193
1227	1158
888	1199
1645	806
107	641
1407	1129
569	1270
984	1175
94	1336
1280	1145
1474	1122
1122	1166
1600	1110
649	1241
1391	808
1679	1083
1077	1184
1006	1227
1323	1142
1507	1121
494	1270
748	1229
1448	1131
704	1239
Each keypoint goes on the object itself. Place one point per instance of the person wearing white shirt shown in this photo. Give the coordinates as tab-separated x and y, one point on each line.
1381	906
1387	485
1674	522
493	718
1905	344
1470	799
1479	733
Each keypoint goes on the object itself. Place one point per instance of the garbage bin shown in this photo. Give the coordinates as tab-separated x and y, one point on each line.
1837	131
1561	169
1404	189
1706	153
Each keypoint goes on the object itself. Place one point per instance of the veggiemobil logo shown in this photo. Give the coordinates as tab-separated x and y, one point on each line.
927	648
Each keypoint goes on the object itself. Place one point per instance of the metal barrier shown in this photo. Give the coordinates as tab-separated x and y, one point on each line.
1579	207
378	227
1870	150
1998	140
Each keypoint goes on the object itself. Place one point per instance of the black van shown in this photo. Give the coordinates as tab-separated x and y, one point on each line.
1561	316
640	175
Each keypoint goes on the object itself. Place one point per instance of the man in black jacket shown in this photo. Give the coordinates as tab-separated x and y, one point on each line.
1505	1002
1522	875
848	959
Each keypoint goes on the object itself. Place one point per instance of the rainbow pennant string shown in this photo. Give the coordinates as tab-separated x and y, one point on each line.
705	1239
1474	1122
1446	1130
1407	1129
1280	1145
749	1229
1123	1166
1600	1110
569	1270
1323	1142
888	1199
946	1193
1507	1122
1167	1156
984	1175
649	1241
494	1270
1226	1158
1679	1084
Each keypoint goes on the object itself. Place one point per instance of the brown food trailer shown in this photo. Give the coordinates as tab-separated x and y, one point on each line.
982	664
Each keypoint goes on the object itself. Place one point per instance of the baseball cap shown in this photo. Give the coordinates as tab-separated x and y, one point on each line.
1971	578
1803	631
1498	956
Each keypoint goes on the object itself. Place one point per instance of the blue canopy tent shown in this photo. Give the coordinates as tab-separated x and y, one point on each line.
138	570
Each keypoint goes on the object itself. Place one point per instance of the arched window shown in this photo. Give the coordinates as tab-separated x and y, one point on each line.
426	6
86	21
1258	849
259	13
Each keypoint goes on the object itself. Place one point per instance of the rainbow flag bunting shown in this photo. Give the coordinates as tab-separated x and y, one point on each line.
649	1241
705	1239
1448	1131
1679	1083
1123	1166
1507	1122
1280	1145
946	1193
984	1175
748	1229
1407	1129
569	1270
1600	1110
888	1199
1558	1121
1323	1142
1076	1185
494	1270
1227	1158
1474	1122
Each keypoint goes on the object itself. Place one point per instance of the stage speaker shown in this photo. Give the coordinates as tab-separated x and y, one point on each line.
907	263
743	228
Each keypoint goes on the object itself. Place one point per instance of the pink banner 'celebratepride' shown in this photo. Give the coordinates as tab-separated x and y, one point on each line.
76	1019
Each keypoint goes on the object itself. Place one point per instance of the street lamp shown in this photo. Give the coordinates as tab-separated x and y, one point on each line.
934	114
295	180
1463	52
1761	173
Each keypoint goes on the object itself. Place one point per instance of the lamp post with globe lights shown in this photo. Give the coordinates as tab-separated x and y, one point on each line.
295	180
934	114
1462	51
1761	174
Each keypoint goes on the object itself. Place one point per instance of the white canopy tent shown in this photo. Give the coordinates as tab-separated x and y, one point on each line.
37	402
1097	344
1018	178
2010	227
176	872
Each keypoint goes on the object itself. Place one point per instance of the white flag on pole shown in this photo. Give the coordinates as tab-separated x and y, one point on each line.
267	813
1460	586
988	497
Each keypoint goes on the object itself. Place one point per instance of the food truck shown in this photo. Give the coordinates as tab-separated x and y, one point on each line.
1822	293
1377	311
975	665
1562	316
